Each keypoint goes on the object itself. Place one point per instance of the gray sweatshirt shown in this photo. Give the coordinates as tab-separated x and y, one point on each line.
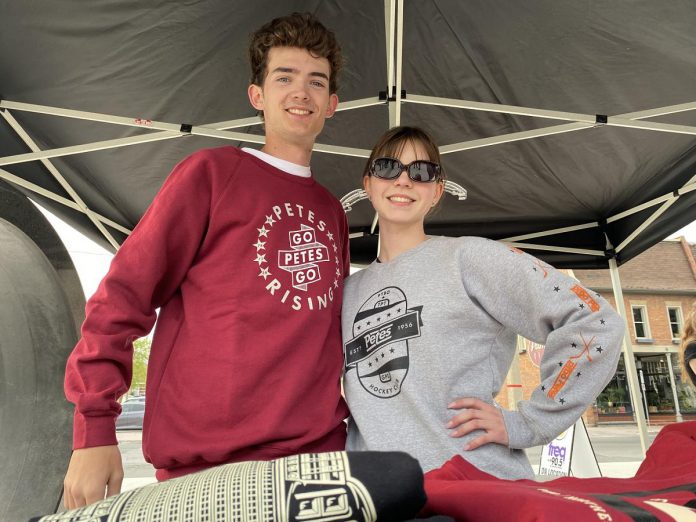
439	322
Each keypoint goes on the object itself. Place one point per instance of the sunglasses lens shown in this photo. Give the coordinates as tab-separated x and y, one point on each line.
386	168
423	171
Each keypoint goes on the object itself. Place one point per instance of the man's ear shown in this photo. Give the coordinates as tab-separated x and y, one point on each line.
255	96
333	103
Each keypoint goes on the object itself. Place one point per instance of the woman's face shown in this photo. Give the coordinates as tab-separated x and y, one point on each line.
402	201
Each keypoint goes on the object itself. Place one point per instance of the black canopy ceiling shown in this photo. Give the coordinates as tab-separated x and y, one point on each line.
178	62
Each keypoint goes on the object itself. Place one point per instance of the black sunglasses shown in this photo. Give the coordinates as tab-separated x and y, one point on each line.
421	171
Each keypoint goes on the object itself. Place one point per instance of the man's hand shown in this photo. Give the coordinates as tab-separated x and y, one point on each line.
477	415
93	473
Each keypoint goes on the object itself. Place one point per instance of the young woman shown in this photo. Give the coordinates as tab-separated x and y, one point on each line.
687	350
430	329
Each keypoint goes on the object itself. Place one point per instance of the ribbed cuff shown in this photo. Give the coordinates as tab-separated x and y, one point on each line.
89	432
520	435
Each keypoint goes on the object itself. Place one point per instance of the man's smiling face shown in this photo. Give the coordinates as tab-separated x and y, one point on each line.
294	97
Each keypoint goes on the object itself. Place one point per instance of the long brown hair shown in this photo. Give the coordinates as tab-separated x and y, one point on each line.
688	335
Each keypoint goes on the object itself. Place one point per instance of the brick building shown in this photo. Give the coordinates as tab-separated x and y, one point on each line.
659	288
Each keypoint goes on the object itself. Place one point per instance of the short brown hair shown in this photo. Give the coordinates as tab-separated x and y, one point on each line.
300	30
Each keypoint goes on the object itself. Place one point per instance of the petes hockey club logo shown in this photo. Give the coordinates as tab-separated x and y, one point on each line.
305	270
379	348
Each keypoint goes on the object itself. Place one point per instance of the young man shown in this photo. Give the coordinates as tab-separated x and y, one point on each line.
244	253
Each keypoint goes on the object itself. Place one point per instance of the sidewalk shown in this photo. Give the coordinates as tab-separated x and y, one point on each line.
603	438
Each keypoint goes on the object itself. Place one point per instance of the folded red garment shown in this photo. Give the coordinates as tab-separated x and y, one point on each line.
663	489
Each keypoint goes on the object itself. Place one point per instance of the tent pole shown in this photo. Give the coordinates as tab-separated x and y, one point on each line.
16	180
553	248
399	61
592	119
629	360
663	208
59	178
389	24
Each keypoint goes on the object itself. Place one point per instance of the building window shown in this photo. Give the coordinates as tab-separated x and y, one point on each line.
640	322
675	320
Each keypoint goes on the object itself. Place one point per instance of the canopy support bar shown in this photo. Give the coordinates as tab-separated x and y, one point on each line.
59	177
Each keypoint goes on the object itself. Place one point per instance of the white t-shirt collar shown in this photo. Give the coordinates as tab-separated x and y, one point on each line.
285	166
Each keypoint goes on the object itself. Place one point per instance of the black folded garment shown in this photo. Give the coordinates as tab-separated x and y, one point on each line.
334	486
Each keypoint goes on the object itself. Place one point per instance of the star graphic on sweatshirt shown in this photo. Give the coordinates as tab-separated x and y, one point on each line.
262	231
556	289
560	363
602	321
543	388
260	258
335	283
270	221
573	345
330	236
338	272
264	273
599	349
335	248
260	245
578	374
561	400
582	306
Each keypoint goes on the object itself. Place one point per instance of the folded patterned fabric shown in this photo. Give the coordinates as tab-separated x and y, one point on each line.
663	489
336	486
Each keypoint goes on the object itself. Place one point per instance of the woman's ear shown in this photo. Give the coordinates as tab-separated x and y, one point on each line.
439	191
366	186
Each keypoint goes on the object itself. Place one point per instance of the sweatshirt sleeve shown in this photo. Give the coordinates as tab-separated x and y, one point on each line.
146	271
581	332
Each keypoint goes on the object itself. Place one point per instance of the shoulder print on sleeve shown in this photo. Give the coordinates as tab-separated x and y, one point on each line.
298	258
537	264
379	347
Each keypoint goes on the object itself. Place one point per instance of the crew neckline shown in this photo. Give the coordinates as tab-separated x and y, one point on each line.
406	254
288	167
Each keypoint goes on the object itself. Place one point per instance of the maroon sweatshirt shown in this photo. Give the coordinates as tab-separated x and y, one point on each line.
663	490
246	263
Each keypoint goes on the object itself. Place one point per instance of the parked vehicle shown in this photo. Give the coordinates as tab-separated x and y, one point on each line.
132	413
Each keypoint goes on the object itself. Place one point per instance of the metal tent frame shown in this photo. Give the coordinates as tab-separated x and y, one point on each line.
394	97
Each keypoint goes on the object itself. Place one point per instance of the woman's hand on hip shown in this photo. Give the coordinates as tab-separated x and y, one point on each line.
477	415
